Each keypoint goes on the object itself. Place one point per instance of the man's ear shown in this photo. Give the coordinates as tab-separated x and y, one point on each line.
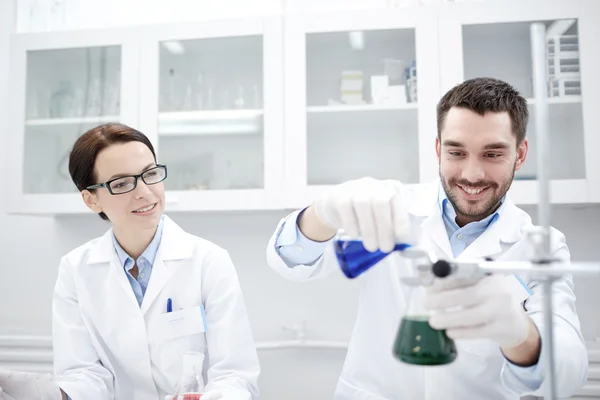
521	154
91	201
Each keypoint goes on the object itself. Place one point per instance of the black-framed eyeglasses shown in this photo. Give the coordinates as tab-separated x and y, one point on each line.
126	184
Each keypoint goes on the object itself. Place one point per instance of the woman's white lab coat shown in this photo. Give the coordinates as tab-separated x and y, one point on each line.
480	372
108	347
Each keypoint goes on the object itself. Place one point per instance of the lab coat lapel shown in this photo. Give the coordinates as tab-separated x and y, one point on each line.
103	254
158	279
176	246
426	214
434	229
499	236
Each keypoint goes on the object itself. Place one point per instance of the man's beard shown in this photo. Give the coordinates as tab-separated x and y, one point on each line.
476	211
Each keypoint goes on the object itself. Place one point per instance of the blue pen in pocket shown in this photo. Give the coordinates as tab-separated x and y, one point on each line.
169	305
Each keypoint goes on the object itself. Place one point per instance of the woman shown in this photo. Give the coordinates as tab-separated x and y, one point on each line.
128	305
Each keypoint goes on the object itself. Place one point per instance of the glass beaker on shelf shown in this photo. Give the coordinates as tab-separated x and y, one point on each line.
61	104
240	100
394	70
417	343
225	102
174	91
94	98
191	383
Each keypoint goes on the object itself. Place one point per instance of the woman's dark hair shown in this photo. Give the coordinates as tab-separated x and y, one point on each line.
87	147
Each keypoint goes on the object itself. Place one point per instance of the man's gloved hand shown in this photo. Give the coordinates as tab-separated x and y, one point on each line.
483	308
29	386
374	210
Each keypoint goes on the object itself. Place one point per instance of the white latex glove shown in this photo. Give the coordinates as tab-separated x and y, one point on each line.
482	308
216	395
374	210
29	386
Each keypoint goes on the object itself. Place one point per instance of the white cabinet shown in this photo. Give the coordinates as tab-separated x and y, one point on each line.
263	113
211	100
493	39
61	85
350	112
209	96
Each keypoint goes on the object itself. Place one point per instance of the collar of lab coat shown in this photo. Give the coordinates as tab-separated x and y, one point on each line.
506	231
175	244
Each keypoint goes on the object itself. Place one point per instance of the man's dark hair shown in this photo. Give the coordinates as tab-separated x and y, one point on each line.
483	95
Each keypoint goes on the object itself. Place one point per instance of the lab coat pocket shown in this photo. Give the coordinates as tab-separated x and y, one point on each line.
187	321
179	332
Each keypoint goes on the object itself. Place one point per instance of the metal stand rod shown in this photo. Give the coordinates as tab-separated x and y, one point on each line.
540	85
548	340
540	80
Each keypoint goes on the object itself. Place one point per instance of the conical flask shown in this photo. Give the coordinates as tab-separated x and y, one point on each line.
417	342
191	383
354	259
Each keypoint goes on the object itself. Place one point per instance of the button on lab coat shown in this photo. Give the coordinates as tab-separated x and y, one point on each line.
108	347
371	372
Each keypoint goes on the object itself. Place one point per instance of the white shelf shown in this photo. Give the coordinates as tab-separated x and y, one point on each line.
218	200
562	191
368	119
209	115
72	121
559	100
50	204
210	122
361	107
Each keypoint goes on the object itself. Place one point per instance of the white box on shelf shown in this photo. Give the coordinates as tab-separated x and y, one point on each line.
379	89
351	87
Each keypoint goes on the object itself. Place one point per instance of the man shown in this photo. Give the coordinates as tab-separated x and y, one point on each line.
466	215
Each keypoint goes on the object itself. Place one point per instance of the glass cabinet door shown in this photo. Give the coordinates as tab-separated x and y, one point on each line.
503	51
492	40
361	106
68	91
360	99
210	113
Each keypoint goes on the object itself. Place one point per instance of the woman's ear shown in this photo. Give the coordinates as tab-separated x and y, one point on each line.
91	200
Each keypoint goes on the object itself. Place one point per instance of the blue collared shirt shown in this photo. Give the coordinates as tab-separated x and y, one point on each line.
296	249
461	237
144	263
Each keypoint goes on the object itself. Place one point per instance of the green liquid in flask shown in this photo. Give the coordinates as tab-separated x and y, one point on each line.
419	344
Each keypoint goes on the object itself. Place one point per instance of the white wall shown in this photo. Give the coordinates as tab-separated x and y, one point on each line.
45	15
28	263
